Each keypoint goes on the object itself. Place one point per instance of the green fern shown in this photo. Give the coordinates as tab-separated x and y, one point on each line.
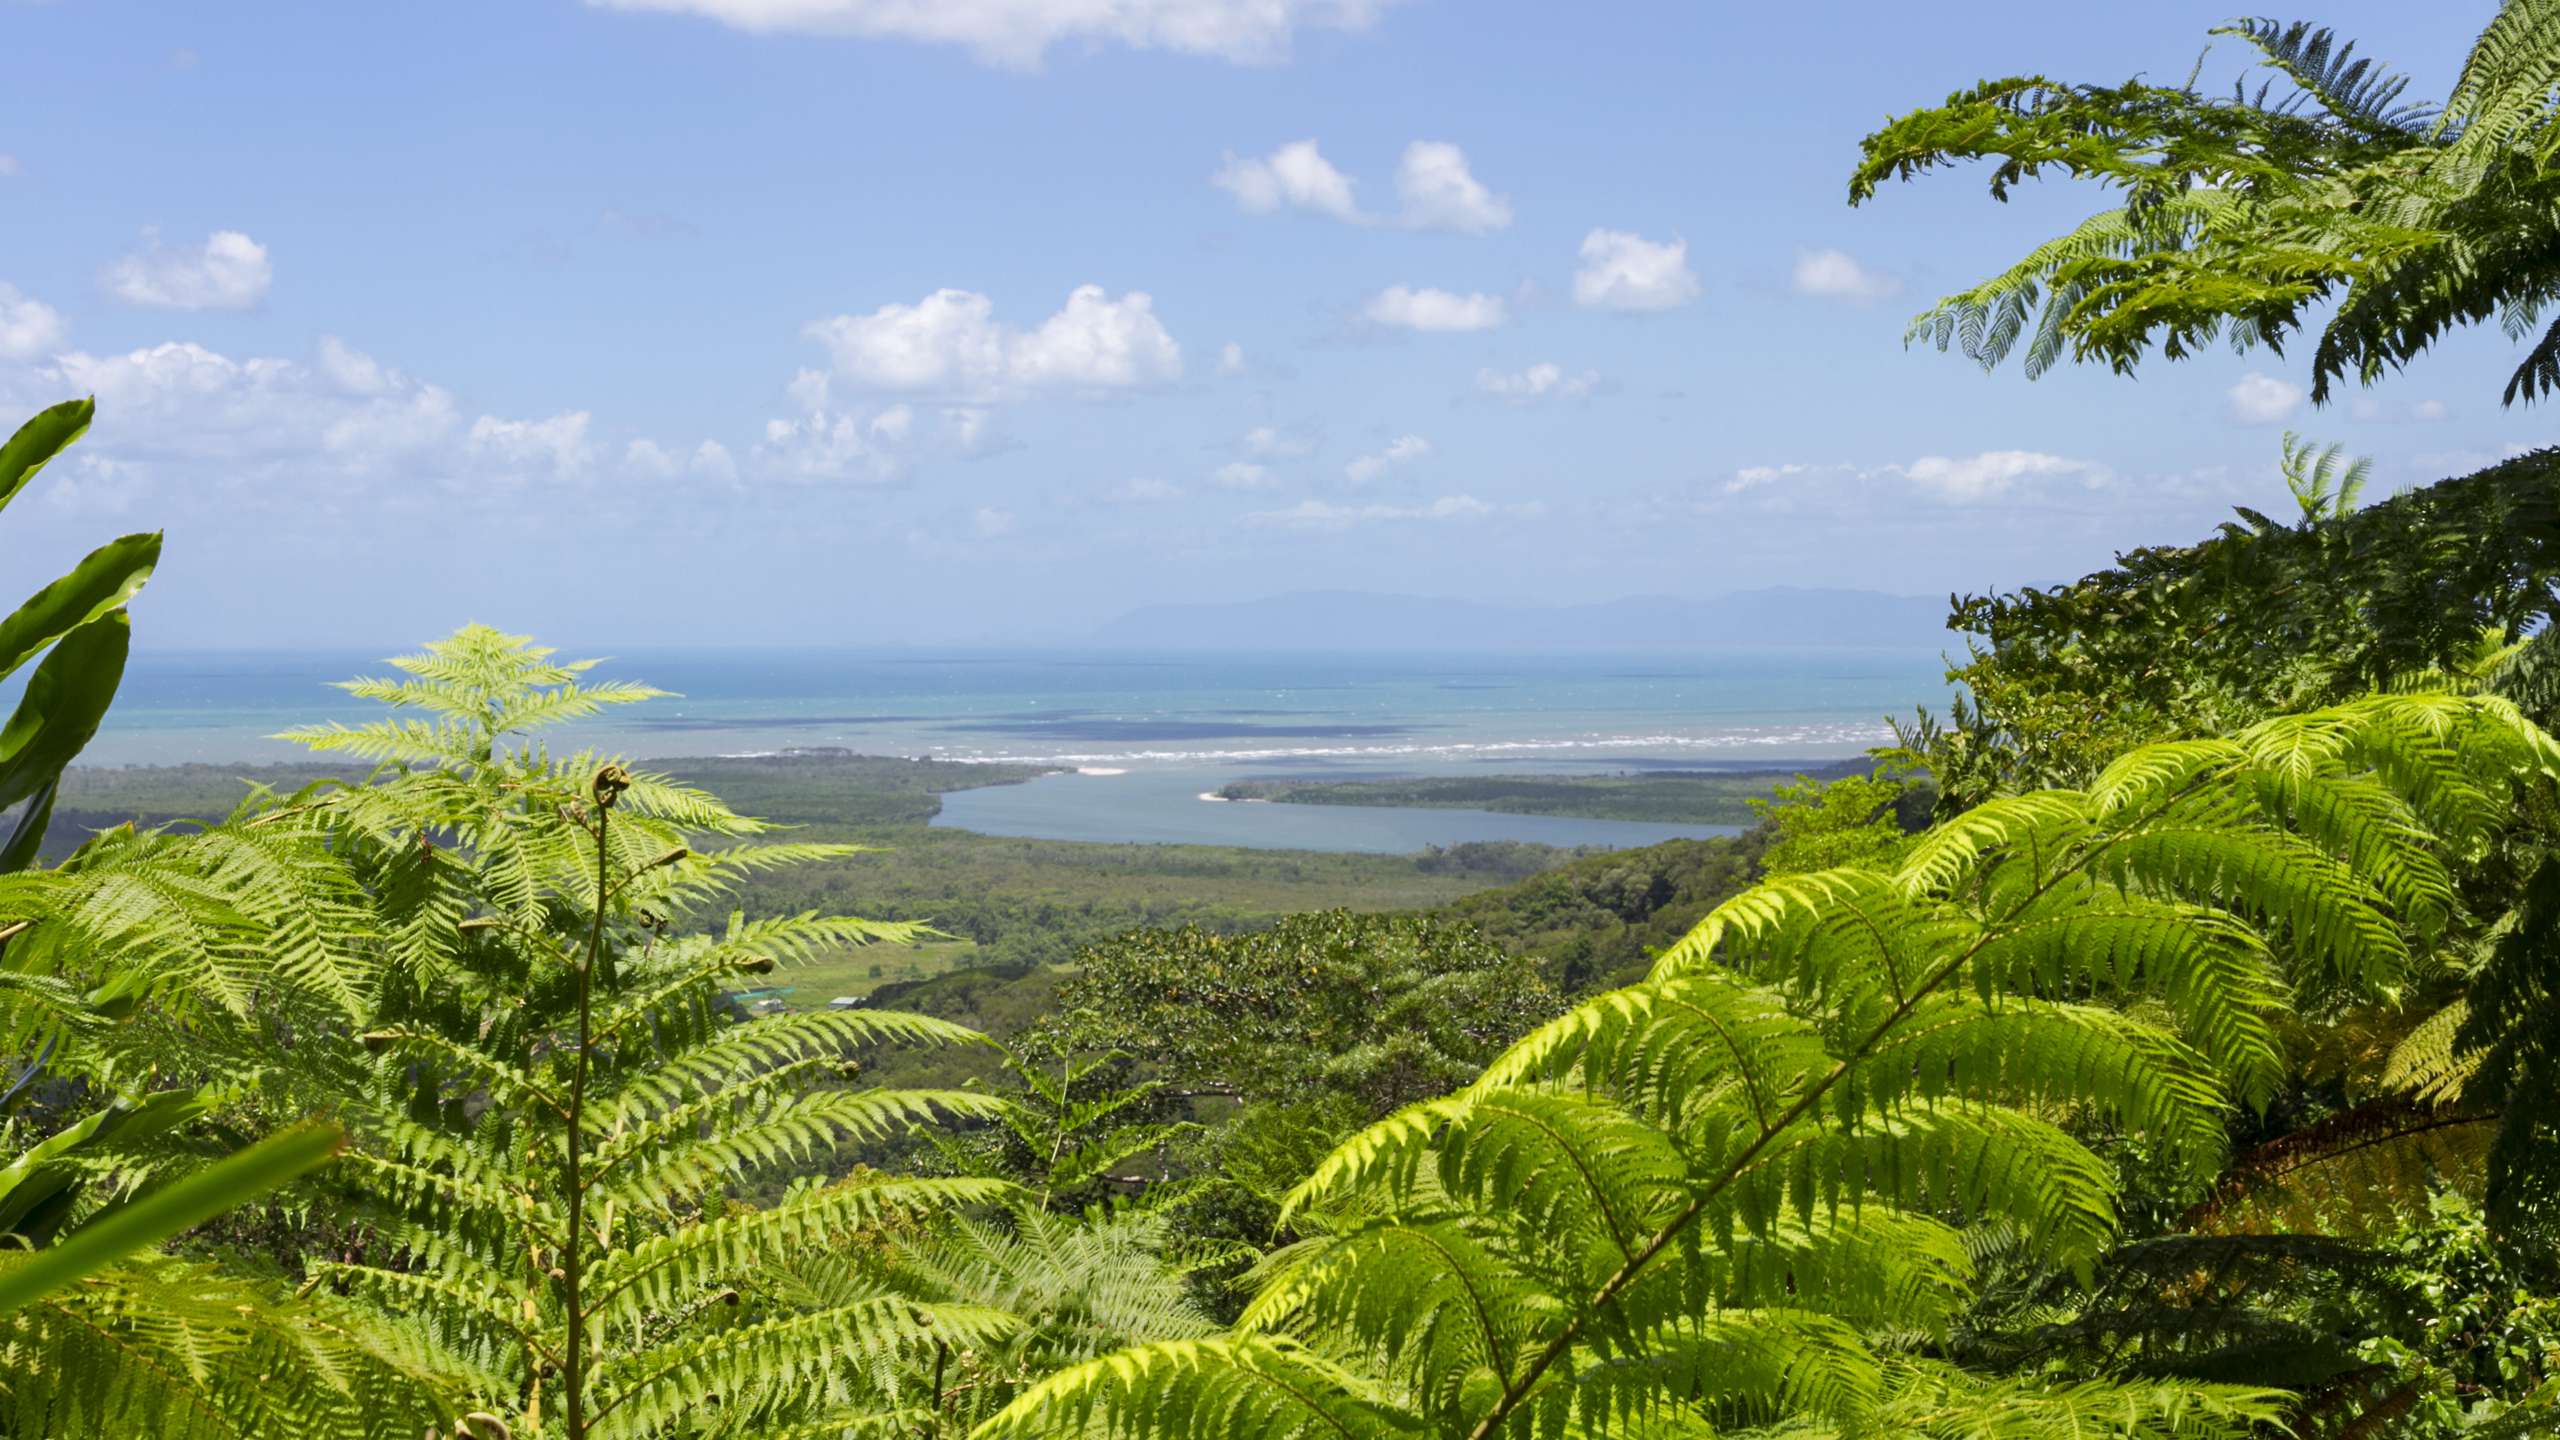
2244	214
558	1101
1693	1203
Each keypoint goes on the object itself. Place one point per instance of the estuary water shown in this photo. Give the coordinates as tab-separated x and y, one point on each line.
1149	733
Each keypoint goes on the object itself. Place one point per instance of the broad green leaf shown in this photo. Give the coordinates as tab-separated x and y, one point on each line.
169	1211
36	1191
105	579
38	441
26	836
66	698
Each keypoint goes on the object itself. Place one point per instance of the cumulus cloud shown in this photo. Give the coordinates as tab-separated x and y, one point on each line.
554	447
28	326
1296	177
951	343
1973	479
1545	380
229	272
198	411
1231	359
824	445
1435	189
2263	399
988	522
1440	193
1402	307
1324	515
2428	411
1622	270
1402	450
1019	33
1838	275
1243	475
710	460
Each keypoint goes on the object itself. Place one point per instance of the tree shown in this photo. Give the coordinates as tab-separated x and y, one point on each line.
560	1092
2322	187
1697	1202
1385	1009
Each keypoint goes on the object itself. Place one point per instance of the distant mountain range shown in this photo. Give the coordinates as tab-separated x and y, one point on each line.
1356	620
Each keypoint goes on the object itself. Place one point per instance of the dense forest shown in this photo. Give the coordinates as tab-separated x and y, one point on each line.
2160	1041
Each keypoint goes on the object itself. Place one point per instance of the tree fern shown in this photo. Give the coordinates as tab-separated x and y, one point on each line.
559	1103
2244	213
1642	1214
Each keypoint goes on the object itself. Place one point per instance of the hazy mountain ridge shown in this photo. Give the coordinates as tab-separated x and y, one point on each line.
1359	620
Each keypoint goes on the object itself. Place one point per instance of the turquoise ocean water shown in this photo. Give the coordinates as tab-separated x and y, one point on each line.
1148	733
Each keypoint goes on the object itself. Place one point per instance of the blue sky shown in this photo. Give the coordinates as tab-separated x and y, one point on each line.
867	321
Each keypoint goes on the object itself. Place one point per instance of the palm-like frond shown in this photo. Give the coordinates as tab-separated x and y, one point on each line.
1646	1213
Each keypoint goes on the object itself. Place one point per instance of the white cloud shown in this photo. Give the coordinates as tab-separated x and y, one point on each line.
2264	400
2428	411
8	164
231	272
28	326
200	412
950	342
1231	359
1752	477
1144	491
828	446
557	445
1296	176
1019	33
1243	475
1624	271
1440	193
988	522
1545	380
1435	188
709	461
1324	515
1405	308
1972	479
1099	341
1837	275
1404	449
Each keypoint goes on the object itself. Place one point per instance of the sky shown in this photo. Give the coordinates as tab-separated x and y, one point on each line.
983	321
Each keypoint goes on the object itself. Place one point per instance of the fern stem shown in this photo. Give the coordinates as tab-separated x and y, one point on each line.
572	1256
1514	1392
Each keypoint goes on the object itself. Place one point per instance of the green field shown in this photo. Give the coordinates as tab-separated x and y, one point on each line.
1693	797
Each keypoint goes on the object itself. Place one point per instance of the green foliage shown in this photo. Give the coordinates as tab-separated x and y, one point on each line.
2322	489
2258	620
1385	1009
1708	797
1698	1201
1818	825
2482	1347
2244	213
560	1096
77	624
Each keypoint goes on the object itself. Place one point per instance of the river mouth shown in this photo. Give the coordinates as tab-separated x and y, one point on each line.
1181	806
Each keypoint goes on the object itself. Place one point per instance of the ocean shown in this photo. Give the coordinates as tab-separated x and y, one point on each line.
1167	726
